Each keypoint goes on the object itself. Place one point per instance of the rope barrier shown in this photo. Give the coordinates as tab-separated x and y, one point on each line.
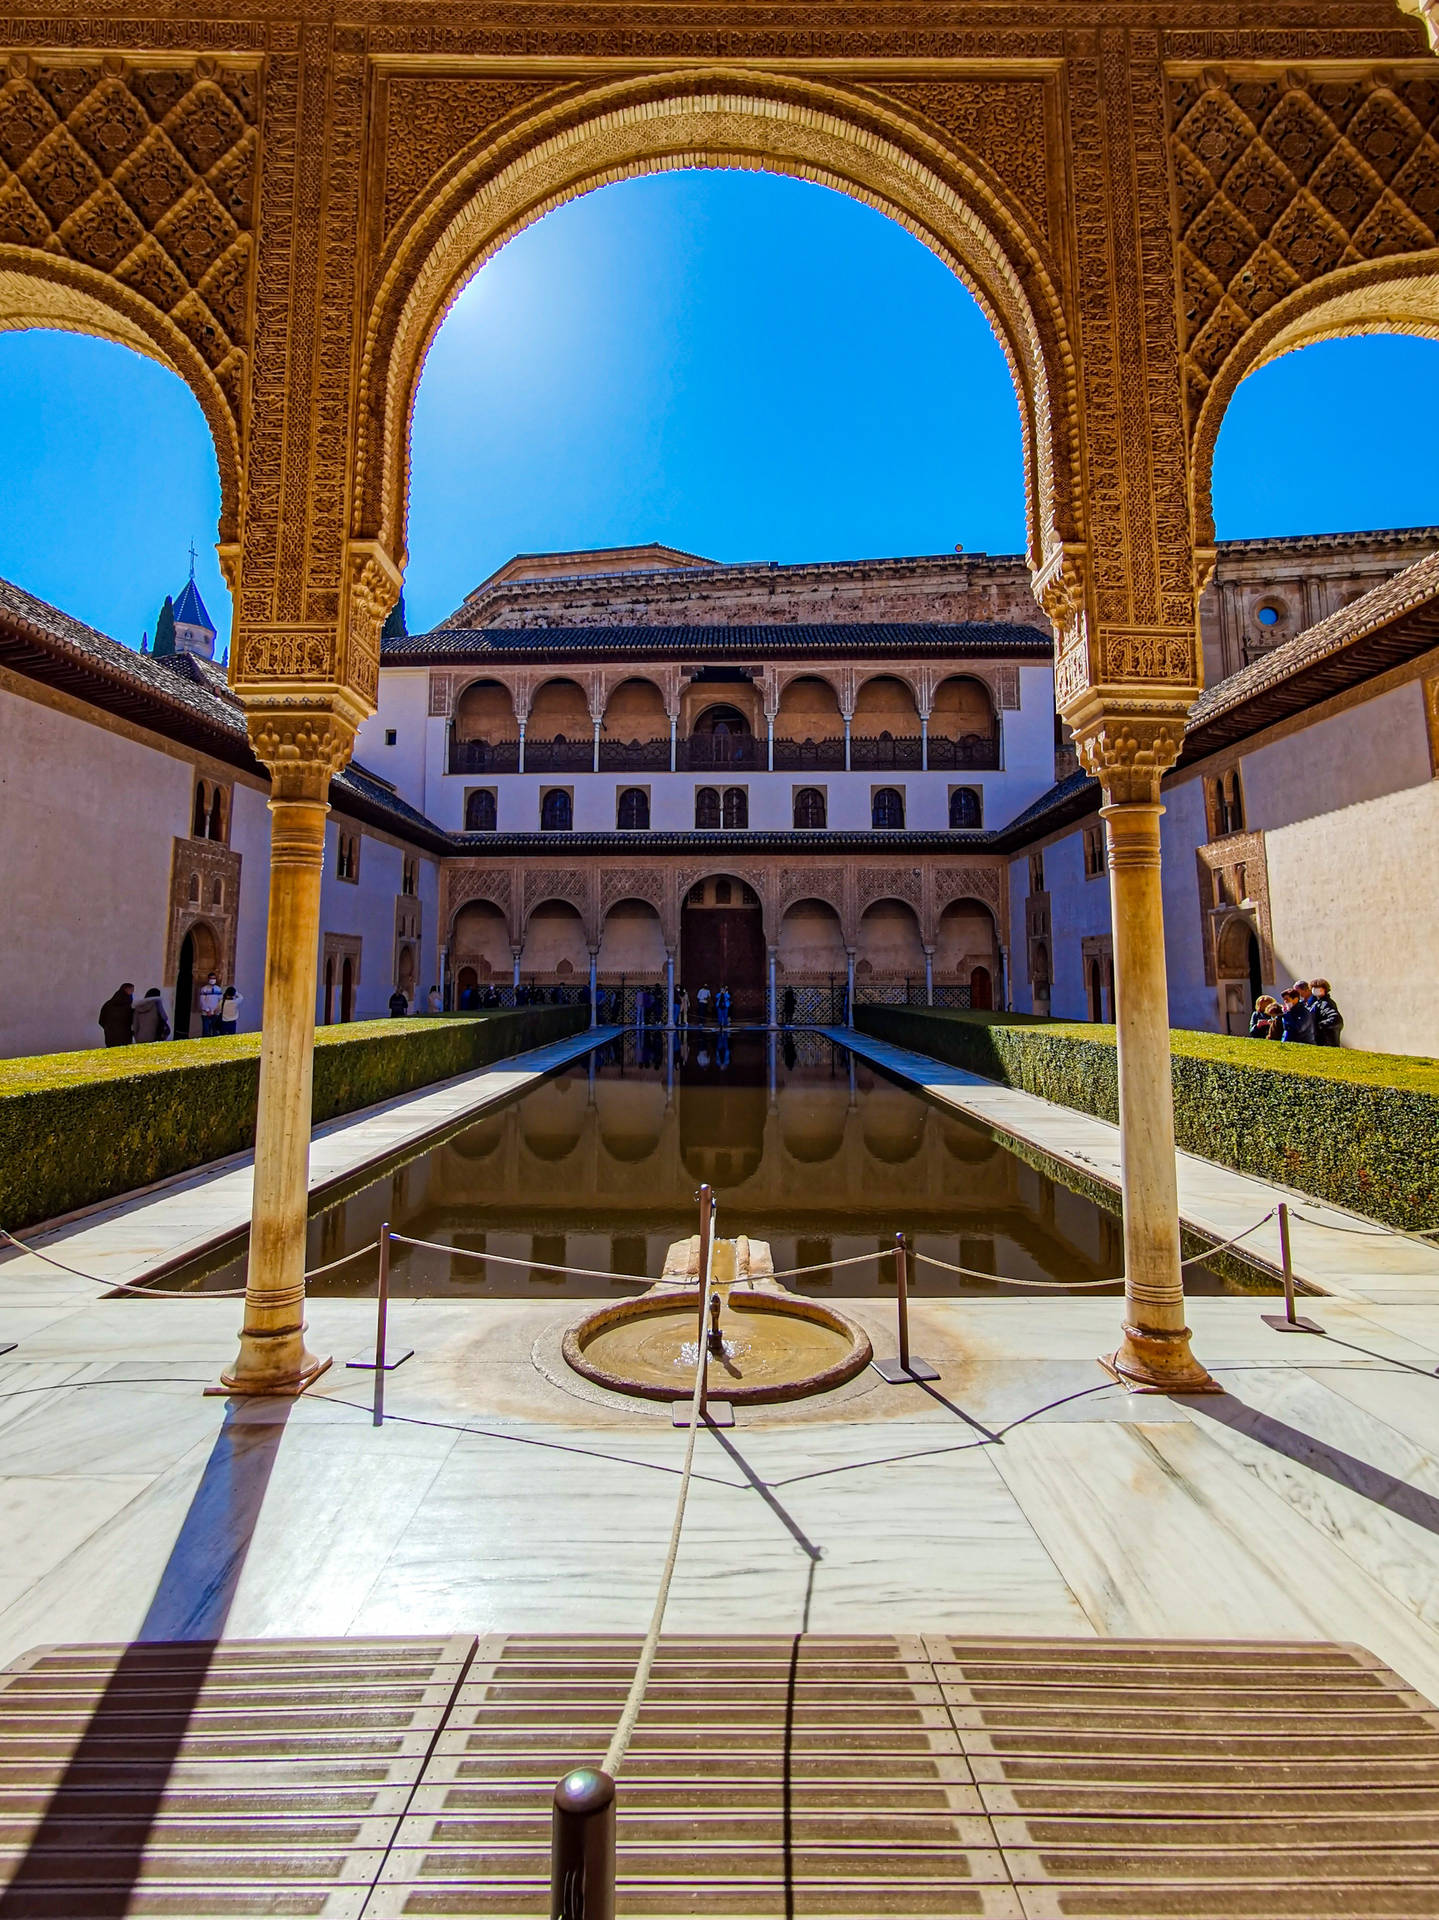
507	1260
1367	1233
120	1286
313	1273
1078	1286
824	1266
634	1699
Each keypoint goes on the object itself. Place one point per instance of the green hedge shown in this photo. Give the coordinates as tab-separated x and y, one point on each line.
76	1128
1360	1129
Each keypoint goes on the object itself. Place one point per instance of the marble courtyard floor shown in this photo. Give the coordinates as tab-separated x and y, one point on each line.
1022	1494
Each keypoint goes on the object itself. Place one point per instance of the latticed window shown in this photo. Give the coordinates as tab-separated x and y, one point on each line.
707	807
480	811
634	809
887	808
557	811
809	807
1093	852
965	808
736	807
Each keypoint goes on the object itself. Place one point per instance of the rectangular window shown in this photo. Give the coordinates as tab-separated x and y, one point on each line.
1093	852
347	857
1036	873
391	736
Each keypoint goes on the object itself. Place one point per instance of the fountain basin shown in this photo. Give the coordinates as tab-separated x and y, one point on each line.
777	1345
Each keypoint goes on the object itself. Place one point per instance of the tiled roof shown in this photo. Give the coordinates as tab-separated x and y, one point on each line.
968	639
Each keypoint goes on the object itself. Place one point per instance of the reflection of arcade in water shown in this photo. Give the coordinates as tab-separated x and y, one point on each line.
806	1148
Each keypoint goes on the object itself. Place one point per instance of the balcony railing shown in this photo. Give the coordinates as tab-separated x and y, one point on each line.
718	753
634	756
559	756
971	753
484	756
798	756
885	750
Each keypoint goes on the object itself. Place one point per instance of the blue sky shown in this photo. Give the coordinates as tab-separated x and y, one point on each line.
743	366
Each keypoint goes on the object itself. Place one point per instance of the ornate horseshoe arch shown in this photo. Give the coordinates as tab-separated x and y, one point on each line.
725	119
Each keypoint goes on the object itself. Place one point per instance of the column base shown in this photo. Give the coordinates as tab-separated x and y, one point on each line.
276	1375
1152	1362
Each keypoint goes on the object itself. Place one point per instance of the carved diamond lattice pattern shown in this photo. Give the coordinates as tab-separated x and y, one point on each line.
1279	181
145	175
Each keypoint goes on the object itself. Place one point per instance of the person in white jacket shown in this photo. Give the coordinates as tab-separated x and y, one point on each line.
231	1001
211	994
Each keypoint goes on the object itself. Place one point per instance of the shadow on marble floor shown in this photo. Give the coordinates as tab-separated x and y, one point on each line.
116	1778
1319	1456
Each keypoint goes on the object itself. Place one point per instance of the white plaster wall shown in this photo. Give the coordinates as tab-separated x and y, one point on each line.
1377	748
404	699
87	818
365	908
1077	906
1355	898
1193	1003
1021	995
250	838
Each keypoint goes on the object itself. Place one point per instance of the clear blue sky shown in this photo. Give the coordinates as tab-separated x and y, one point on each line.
744	366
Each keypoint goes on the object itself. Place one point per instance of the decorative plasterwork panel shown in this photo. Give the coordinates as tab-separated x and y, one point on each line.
970	883
198	869
1234	880
1002	121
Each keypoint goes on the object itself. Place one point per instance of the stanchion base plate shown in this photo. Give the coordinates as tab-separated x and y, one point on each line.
394	1357
8	1346
718	1413
898	1372
1297	1325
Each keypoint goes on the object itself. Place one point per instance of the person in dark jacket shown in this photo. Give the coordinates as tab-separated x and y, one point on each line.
399	1004
1328	1020
1267	1020
117	1014
148	1021
1299	1021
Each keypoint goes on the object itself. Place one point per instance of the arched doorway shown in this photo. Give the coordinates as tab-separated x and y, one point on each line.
347	991
199	958
722	944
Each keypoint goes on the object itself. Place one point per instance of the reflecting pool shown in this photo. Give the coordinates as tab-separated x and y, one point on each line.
805	1145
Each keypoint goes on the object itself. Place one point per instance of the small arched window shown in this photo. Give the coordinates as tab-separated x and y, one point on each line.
1235	809
965	808
217	893
557	811
480	811
634	809
217	816
201	812
736	807
195	889
707	808
887	808
809	807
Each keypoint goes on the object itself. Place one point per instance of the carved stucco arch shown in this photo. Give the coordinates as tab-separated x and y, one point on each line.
40	290
727	118
1380	296
469	889
756	879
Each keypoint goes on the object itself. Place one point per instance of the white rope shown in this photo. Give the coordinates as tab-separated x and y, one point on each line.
1366	1233
313	1273
1079	1286
121	1286
506	1260
620	1739
824	1266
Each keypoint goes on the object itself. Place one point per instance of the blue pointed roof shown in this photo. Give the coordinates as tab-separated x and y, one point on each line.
190	608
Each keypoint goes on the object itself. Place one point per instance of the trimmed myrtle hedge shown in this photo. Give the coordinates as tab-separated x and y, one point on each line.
1360	1129
76	1128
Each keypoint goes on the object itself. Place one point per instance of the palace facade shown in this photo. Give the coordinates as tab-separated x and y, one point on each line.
815	784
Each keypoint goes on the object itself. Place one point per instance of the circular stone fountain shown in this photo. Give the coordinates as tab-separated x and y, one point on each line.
772	1344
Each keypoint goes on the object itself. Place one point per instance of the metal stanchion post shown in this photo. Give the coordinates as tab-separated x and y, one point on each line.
718	1413
1288	1321
382	1359
582	1847
905	1366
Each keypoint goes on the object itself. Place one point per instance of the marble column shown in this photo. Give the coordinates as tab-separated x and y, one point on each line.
302	750
674	731
522	751
849	985
594	984
773	1003
515	981
924	743
769	742
1129	757
669	989
846	743
596	766
929	976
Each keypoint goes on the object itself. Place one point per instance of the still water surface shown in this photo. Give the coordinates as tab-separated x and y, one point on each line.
806	1147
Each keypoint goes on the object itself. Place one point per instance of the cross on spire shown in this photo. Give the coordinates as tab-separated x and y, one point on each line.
192	559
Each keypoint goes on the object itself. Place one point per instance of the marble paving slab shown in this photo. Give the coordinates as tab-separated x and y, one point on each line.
1334	1251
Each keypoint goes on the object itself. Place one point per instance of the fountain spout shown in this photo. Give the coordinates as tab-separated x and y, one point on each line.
716	1339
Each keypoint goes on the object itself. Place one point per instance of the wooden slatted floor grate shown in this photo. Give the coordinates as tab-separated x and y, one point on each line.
1042	1780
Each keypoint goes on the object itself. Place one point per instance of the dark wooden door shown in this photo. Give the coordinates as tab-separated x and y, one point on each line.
724	946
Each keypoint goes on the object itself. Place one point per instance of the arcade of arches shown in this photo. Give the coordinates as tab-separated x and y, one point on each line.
281	209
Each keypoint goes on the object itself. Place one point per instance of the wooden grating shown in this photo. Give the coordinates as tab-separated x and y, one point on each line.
897	1777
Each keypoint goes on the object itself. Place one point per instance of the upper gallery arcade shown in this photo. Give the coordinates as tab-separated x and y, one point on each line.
281	209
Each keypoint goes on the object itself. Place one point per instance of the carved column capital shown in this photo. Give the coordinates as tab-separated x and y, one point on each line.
1129	752
302	744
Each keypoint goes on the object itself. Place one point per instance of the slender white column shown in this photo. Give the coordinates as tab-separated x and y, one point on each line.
597	747
674	728
522	749
849	982
669	989
773	1003
846	743
929	976
516	981
594	1008
769	741
924	742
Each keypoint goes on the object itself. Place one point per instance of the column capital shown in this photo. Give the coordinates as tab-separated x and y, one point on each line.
1128	742
302	742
